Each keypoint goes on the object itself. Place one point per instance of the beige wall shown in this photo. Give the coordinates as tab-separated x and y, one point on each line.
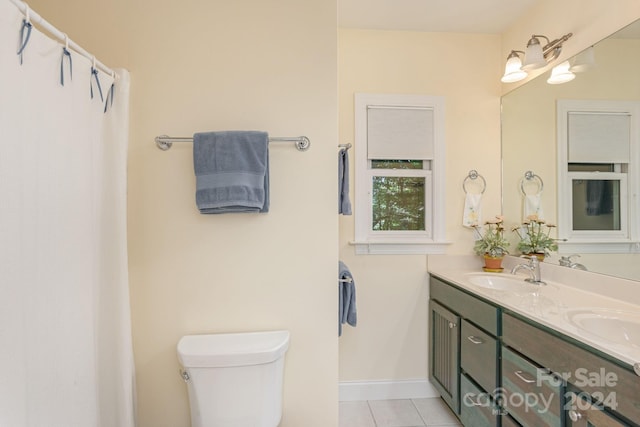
200	66
390	341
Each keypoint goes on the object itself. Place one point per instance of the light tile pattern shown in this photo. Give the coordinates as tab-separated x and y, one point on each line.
397	413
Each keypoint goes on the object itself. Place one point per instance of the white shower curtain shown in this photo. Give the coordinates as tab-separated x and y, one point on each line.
65	340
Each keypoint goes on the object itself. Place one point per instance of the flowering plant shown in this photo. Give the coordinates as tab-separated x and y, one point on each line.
534	236
491	241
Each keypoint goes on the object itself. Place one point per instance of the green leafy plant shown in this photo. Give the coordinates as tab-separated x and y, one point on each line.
491	240
535	236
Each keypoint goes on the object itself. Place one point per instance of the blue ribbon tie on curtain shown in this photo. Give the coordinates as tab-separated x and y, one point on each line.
24	39
65	53
109	101
94	74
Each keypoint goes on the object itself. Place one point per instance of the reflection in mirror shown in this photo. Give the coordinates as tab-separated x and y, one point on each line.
529	144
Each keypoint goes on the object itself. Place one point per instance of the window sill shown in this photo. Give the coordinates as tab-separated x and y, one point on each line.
400	248
599	247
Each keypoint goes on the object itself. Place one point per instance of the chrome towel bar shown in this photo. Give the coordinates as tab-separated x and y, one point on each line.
165	142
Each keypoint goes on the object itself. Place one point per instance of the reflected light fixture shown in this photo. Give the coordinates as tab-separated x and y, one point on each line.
583	61
535	56
561	74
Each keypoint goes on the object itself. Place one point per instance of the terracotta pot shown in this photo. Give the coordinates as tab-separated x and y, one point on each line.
493	263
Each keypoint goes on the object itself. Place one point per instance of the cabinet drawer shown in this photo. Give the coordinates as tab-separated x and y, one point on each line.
466	305
477	409
507	421
577	363
582	413
530	397
479	356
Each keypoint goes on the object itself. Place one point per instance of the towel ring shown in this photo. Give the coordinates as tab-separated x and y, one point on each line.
473	175
530	176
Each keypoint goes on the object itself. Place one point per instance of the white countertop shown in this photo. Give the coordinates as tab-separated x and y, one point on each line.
550	305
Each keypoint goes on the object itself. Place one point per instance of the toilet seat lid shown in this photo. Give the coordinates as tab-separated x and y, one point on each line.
237	349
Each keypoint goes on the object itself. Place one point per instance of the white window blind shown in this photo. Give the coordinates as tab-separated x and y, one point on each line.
598	137
400	133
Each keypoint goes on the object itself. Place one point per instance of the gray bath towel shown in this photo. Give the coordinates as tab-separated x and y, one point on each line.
344	204
232	171
347	312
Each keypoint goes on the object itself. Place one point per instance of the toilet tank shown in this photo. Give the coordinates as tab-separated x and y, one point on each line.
234	380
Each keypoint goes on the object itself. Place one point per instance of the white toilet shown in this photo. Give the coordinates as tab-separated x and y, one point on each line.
234	380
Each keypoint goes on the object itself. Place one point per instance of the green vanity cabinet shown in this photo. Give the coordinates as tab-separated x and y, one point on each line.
614	389
462	340
498	368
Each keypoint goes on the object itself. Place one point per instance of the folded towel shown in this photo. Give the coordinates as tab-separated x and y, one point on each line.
472	214
232	171
344	204
347	298
533	205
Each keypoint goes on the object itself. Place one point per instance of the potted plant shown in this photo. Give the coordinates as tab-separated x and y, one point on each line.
491	243
534	237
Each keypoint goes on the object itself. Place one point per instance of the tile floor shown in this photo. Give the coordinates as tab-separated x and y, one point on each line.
397	413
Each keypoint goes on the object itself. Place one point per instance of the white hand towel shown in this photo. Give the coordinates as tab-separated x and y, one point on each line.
533	205
472	214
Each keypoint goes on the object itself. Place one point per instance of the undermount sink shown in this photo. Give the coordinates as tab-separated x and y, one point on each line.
617	326
499	282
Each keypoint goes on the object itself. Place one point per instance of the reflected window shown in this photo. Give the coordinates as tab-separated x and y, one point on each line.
596	204
597	175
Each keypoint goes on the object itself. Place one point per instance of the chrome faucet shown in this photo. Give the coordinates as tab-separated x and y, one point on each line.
533	267
566	261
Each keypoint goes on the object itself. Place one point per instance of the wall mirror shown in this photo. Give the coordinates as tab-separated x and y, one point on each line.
529	135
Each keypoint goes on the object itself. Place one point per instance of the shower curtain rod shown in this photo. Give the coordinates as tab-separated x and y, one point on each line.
165	142
35	18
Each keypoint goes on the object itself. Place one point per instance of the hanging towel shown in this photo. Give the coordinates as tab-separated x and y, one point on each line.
599	197
344	204
232	171
533	205
347	298
472	214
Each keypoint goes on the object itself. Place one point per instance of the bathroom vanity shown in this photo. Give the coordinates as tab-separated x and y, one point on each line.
506	353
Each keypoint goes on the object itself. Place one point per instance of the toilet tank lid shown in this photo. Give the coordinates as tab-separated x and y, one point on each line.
225	350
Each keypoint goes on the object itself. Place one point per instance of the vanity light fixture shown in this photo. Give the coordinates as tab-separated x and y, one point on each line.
561	74
535	56
513	70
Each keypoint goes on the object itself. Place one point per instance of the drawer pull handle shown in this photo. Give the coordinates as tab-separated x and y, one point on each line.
452	325
475	340
526	377
575	415
473	400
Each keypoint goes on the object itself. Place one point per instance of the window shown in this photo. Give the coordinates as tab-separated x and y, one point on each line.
597	176
399	174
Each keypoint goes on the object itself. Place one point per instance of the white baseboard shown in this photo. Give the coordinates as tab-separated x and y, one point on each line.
383	390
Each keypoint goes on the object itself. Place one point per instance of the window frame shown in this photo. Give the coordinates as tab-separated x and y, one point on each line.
432	239
627	239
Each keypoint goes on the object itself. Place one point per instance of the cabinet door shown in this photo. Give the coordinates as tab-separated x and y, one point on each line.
444	343
581	413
